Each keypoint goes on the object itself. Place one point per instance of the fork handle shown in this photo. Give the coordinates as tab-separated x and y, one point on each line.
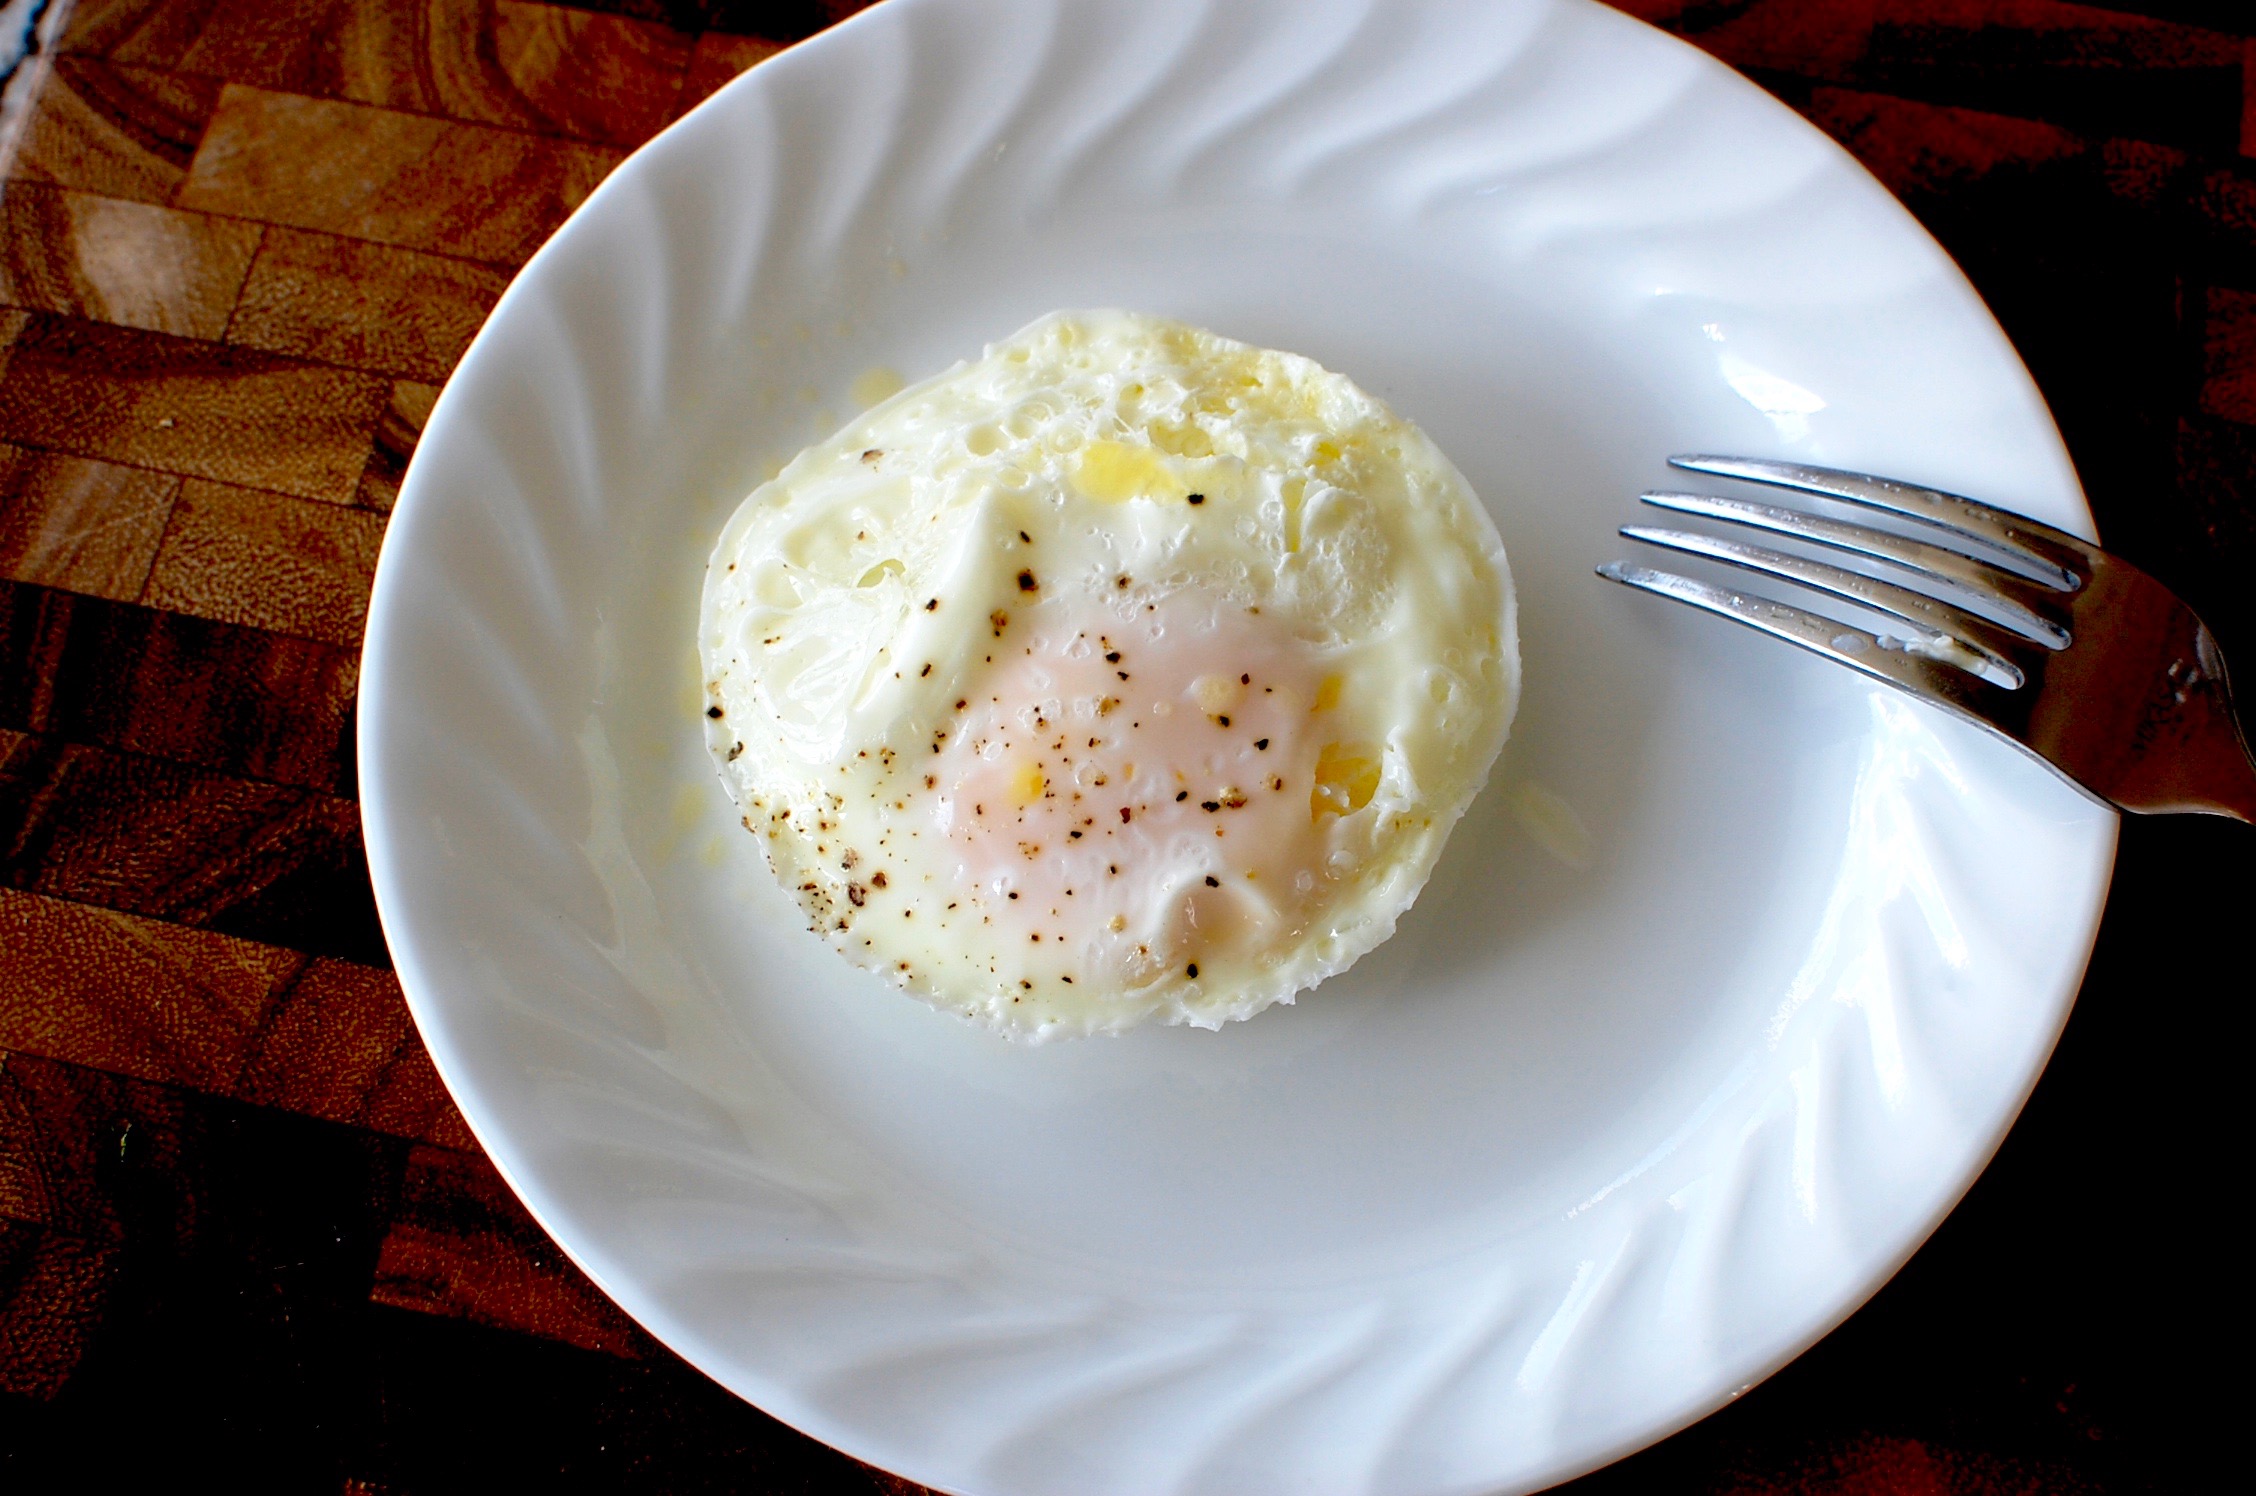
2188	752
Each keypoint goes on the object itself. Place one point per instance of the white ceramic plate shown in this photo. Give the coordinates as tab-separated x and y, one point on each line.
1607	1132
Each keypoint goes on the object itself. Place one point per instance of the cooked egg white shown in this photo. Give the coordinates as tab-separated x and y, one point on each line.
1124	673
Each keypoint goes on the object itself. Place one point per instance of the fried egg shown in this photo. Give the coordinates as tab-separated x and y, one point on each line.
1125	673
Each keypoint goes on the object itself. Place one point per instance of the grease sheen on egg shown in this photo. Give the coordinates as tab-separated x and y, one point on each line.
1124	673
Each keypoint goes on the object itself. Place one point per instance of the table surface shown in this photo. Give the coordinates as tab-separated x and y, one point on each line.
242	1228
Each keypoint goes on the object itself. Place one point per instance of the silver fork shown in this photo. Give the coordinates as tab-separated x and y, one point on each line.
2072	654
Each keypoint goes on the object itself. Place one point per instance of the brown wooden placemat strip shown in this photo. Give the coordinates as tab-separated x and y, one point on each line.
59	1123
243	702
570	72
217	1014
147	836
125	132
43	266
450	1236
418	182
238	416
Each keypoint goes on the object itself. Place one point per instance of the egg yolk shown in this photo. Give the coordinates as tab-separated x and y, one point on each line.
1140	795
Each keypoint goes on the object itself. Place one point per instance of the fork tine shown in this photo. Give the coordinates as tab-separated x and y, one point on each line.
1950	633
1920	674
2026	607
2059	560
